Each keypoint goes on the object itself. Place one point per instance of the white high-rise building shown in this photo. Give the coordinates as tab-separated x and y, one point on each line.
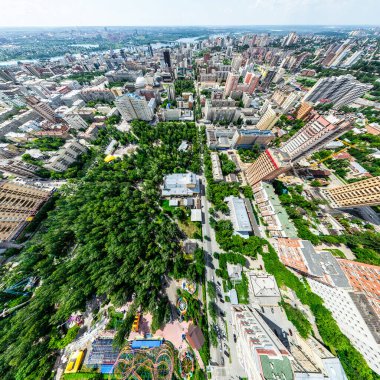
314	135
339	58
236	62
290	39
75	121
340	90
355	317
260	352
353	59
269	118
285	98
132	106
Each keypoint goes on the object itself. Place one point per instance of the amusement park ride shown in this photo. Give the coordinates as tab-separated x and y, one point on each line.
22	288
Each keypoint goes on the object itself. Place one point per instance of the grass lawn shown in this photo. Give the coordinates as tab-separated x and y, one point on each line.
166	207
336	252
298	319
189	228
115	319
242	290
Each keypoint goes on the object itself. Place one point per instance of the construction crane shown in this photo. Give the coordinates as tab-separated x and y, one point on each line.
347	146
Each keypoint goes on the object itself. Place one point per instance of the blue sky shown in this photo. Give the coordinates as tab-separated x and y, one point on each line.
189	12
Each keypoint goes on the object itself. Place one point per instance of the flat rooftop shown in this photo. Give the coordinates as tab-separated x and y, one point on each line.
323	264
263	285
286	223
239	215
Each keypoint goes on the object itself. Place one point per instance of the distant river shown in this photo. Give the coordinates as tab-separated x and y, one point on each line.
157	45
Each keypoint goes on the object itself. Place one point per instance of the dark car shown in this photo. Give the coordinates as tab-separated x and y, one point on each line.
235	338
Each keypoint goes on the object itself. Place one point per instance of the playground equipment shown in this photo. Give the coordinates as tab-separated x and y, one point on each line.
136	322
74	319
189	286
186	365
109	158
182	305
21	288
75	361
146	363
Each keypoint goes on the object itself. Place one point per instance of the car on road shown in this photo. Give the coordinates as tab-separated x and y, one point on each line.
227	354
235	339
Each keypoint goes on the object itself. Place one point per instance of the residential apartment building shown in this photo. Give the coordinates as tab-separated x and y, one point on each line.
42	108
315	134
269	118
351	60
373	129
231	83
237	60
364	278
133	107
357	194
217	174
75	121
276	219
269	165
285	98
19	168
18	205
66	156
355	317
304	110
301	256
246	138
221	113
340	90
260	352
290	39
250	83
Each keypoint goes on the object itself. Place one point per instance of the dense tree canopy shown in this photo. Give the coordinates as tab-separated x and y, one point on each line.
107	236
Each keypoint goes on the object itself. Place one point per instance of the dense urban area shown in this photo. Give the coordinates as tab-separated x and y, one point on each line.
190	203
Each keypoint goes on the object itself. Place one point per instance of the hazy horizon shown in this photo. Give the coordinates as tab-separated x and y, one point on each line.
210	13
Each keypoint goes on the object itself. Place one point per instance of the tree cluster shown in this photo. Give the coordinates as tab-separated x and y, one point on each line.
108	237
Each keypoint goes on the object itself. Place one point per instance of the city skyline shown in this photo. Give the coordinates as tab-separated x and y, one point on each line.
43	13
189	201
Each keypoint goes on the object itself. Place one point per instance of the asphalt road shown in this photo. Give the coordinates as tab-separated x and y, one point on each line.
224	360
